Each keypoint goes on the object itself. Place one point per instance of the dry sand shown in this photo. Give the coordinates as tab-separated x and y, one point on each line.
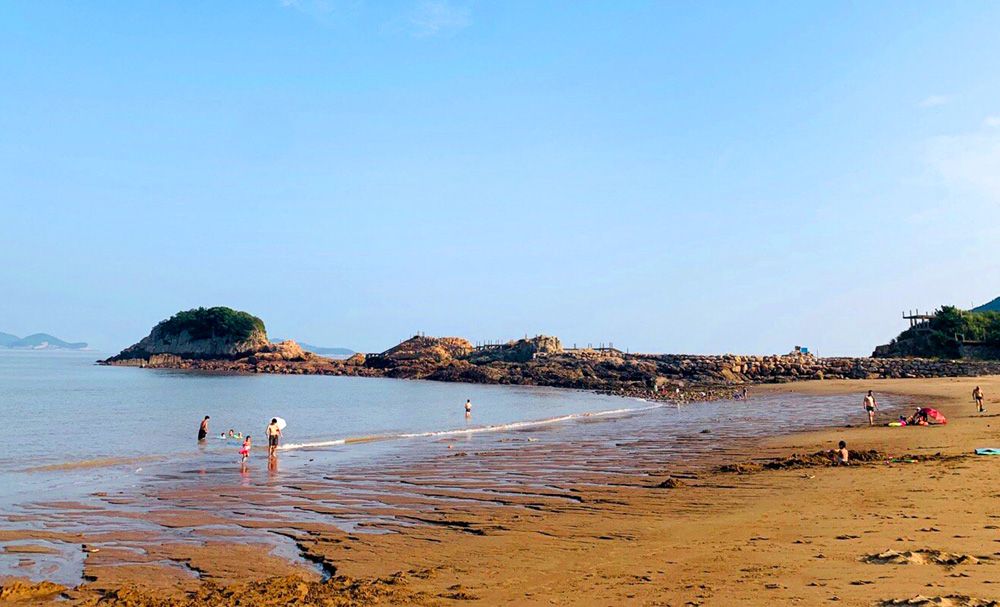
925	533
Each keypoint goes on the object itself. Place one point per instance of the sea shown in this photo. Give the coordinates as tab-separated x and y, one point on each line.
75	430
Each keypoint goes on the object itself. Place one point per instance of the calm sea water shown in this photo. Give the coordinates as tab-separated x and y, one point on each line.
75	428
77	432
72	423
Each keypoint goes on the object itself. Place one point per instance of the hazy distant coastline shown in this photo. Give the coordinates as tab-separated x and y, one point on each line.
38	341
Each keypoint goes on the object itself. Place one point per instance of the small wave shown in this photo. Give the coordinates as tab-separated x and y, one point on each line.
466	431
105	462
325	443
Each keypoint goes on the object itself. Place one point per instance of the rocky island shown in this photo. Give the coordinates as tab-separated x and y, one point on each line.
225	340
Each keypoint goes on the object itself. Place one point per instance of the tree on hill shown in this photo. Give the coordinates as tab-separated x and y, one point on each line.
206	323
942	335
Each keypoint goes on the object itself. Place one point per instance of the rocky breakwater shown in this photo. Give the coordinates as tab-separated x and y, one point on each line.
219	339
678	369
539	361
222	339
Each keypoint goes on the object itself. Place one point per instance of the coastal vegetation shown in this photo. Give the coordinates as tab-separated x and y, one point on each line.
945	334
203	333
216	322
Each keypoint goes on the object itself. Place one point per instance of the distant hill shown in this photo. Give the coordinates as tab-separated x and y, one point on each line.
993	306
39	341
322	350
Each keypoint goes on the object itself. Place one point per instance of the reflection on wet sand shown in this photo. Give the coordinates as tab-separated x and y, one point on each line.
532	469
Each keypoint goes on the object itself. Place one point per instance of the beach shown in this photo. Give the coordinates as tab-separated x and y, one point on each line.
574	519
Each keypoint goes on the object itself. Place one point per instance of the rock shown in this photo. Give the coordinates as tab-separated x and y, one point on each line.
670	483
23	590
208	333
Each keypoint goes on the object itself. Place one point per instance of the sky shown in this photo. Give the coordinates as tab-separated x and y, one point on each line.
700	177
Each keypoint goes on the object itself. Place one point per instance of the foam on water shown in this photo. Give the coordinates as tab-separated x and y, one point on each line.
473	430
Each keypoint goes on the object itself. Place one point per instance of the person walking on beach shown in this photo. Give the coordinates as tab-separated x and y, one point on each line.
871	406
273	434
203	429
977	395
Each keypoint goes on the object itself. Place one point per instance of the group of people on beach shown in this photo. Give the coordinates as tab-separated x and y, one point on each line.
272	431
923	416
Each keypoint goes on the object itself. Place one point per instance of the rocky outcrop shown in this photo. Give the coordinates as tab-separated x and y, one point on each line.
538	361
419	356
185	345
202	333
519	351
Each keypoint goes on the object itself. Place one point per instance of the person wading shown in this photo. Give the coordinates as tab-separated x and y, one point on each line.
871	406
273	434
203	429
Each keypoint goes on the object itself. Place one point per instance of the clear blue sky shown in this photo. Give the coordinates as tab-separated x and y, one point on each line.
669	176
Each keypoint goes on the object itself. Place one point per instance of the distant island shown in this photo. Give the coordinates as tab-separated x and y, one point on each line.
221	339
38	341
321	350
992	306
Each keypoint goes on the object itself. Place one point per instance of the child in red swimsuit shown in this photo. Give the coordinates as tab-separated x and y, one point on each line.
245	450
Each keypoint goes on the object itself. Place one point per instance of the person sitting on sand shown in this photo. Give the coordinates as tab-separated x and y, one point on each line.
919	418
203	429
273	433
977	395
871	406
245	450
925	415
842	454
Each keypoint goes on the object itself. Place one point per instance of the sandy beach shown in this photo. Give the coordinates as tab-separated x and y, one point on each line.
575	524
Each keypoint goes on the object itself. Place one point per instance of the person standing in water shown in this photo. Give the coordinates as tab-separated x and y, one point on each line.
245	450
871	406
468	407
273	434
203	429
977	395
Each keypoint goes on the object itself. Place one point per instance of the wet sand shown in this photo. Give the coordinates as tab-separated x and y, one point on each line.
572	521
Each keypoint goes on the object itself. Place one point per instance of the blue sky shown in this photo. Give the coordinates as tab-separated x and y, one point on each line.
668	176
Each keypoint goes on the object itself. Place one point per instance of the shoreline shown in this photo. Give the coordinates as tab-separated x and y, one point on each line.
607	530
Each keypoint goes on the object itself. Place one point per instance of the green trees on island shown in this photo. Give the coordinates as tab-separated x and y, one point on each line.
205	323
942	335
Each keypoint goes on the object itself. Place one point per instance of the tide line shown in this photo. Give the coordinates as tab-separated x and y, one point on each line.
466	431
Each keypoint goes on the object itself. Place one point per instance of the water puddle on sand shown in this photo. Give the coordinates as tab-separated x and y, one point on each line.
414	481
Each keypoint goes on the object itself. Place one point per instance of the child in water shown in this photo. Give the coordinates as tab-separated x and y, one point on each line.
245	450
